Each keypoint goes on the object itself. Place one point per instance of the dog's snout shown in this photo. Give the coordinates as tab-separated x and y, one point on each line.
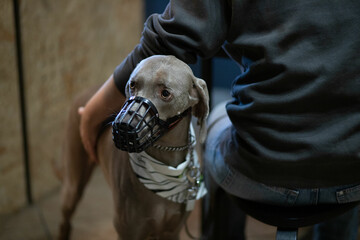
126	126
130	120
138	125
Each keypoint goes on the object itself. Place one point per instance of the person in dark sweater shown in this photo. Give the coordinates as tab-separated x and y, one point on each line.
291	132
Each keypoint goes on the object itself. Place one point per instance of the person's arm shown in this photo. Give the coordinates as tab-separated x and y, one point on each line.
105	102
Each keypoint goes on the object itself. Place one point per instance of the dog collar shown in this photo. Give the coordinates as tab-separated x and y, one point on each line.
181	184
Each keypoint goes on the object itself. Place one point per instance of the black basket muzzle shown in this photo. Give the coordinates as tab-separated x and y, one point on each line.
138	125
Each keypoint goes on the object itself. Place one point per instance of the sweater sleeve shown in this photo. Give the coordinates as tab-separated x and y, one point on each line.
187	28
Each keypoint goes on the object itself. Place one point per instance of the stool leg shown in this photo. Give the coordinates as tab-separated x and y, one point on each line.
286	234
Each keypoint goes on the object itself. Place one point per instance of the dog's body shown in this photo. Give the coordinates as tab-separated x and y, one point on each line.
139	213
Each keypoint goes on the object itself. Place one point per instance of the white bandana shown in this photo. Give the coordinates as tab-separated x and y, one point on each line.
173	183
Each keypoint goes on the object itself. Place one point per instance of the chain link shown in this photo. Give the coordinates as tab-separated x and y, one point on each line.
176	149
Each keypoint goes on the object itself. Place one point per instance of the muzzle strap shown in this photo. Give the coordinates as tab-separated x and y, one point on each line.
173	121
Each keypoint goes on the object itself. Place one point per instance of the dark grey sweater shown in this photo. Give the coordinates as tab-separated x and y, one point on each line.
296	105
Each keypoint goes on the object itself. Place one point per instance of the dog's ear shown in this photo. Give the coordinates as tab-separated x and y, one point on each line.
201	108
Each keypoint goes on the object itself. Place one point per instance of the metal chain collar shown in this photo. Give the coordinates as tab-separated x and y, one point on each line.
176	149
193	172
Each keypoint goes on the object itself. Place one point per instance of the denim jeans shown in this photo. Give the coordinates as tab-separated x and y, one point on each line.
222	176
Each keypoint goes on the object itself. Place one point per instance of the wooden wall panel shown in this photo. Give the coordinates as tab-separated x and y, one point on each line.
68	45
12	192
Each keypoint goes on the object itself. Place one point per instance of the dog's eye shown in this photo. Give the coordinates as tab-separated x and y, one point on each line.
165	94
132	85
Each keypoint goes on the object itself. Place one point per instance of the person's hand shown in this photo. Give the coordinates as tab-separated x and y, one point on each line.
105	102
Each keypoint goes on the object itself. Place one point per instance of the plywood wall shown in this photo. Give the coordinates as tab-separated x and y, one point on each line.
67	46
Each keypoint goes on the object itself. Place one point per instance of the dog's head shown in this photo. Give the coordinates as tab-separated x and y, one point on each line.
169	84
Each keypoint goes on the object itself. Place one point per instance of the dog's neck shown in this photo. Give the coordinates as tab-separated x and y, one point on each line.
176	137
